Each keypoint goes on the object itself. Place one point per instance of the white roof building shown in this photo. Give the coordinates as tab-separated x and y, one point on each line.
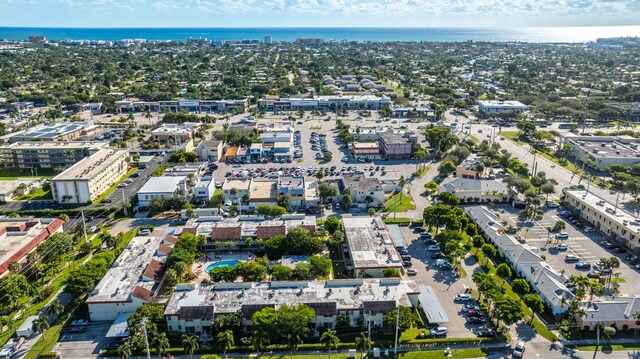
370	246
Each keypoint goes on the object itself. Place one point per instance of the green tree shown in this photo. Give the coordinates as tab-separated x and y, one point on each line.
503	271
520	286
224	341
363	344
446	168
390	273
270	211
293	342
346	202
534	302
488	250
190	344
320	266
259	341
332	224
326	190
330	340
160	343
280	272
40	325
250	271
508	310
55	308
124	351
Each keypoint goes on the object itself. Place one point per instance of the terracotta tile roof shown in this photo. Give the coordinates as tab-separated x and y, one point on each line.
266	232
170	239
27	248
165	249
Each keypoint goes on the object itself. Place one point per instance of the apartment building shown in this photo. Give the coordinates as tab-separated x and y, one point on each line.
476	190
293	189
47	154
88	179
135	105
63	131
605	217
263	192
370	248
174	133
209	151
365	150
603	151
501	106
163	186
132	280
395	145
331	102
193	307
364	190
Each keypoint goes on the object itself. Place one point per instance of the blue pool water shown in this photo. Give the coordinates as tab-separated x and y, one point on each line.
225	263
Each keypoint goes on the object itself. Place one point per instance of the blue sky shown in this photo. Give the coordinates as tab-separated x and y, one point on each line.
317	13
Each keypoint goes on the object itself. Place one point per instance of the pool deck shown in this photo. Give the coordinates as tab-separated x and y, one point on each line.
200	265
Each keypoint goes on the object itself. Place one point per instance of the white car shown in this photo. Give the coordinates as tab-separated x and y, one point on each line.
144	232
463	297
518	351
411	271
433	248
560	247
551	204
439	331
589	229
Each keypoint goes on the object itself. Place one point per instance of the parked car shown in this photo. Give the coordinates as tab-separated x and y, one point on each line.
433	248
144	232
560	247
80	322
619	250
475	320
562	235
417	229
407	264
571	258
583	265
474	313
468	307
430	241
438	255
439	332
486	334
518	351
588	229
411	271
552	204
462	297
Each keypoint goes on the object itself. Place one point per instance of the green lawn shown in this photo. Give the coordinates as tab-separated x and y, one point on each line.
115	185
422	170
15	173
605	348
39	194
513	136
399	202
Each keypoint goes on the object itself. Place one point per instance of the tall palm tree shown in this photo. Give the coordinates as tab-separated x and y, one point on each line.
40	325
225	341
124	351
148	116
363	343
55	308
329	339
161	343
190	344
293	341
259	341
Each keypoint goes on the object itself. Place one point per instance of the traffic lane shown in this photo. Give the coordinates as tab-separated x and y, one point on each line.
444	283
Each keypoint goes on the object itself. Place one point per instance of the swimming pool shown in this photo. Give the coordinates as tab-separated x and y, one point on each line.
224	263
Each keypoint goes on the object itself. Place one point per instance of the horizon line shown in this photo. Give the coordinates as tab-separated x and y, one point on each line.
311	27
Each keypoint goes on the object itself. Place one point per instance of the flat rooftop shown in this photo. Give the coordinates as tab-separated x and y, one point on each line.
290	182
498	103
63	145
248	224
92	165
241	184
370	244
52	131
19	236
325	296
608	210
162	184
9	186
126	272
172	130
360	181
604	148
393	138
366	145
263	189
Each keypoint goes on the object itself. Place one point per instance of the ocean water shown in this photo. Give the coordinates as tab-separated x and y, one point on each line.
532	35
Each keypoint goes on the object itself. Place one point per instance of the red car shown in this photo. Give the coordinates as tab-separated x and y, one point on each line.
474	313
619	250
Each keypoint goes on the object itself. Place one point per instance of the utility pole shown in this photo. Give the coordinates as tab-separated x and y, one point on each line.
84	226
395	346
597	335
146	339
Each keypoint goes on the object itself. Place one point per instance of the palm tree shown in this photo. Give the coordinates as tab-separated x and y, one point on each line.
259	341
330	339
190	344
161	343
234	192
293	341
363	343
224	340
40	325
124	351
55	308
148	116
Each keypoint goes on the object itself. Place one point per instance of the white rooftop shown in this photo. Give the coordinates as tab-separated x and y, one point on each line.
162	184
370	244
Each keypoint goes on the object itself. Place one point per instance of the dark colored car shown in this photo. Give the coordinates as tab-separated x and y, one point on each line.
407	264
475	320
438	255
486	334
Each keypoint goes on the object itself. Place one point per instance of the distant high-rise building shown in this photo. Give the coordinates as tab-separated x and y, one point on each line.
267	40
37	39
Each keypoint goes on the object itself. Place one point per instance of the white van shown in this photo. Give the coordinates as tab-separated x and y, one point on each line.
6	353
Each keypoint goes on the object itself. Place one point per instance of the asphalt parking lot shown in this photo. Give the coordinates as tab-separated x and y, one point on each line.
444	283
84	345
585	245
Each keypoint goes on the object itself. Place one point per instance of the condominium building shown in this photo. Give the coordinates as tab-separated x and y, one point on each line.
395	145
365	150
263	192
613	221
175	133
88	179
64	131
209	151
132	280
476	190
293	189
364	190
163	186
47	154
501	106
134	104
193	307
370	249
333	102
